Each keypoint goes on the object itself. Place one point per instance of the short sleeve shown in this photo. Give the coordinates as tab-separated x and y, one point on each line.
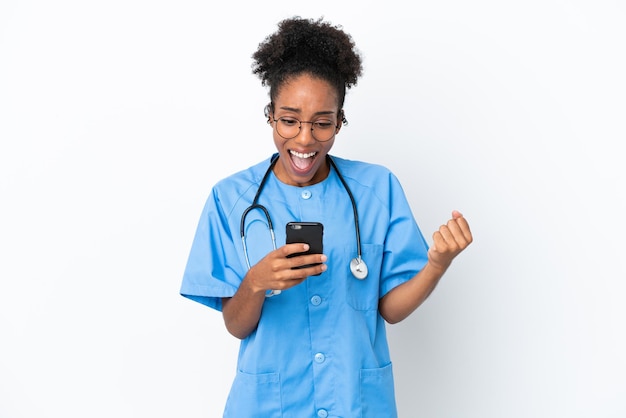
406	251
213	269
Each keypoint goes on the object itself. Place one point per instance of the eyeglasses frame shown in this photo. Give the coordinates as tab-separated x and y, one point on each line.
269	114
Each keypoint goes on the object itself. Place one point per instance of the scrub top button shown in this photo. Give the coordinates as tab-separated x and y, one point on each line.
306	194
322	413
319	358
316	300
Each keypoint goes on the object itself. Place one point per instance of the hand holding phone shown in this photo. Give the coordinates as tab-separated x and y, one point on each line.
311	233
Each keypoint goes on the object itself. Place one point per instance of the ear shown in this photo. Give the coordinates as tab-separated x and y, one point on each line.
268	110
341	120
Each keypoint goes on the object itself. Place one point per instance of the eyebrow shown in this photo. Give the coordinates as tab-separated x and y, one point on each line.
296	110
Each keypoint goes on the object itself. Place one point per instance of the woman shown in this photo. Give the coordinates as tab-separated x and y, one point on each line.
313	339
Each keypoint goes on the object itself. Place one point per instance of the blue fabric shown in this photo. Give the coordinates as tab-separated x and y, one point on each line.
320	347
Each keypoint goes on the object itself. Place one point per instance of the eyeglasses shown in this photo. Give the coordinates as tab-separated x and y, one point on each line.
322	129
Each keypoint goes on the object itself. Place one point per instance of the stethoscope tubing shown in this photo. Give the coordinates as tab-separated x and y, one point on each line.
269	224
356	264
354	209
256	205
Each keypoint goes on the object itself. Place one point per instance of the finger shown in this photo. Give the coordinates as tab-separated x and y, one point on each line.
448	238
313	270
313	259
289	249
439	242
457	232
465	229
296	263
460	219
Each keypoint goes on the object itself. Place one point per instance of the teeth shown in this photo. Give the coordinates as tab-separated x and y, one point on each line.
299	155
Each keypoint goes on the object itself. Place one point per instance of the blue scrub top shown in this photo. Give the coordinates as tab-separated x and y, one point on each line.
320	348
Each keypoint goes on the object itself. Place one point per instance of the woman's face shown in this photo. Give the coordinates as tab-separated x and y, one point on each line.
302	159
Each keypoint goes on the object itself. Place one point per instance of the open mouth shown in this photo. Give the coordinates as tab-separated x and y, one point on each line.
302	161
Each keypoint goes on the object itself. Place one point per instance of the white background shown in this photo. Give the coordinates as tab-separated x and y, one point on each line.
117	117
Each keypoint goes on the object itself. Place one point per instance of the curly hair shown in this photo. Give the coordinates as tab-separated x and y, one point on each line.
308	46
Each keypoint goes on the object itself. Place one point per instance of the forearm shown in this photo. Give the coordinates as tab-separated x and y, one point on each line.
401	301
243	311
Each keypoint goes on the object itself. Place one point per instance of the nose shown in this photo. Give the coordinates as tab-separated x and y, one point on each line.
305	136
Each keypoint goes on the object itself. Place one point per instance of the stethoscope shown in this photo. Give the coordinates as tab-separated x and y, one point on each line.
357	265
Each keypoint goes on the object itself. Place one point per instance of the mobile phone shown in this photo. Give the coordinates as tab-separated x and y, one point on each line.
311	233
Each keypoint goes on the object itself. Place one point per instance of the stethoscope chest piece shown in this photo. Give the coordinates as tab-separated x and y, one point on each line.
358	268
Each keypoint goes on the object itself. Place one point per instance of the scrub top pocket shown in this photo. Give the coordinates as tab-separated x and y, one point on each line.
377	393
363	294
254	396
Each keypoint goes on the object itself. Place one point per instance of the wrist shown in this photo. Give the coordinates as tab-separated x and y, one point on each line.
251	286
435	268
